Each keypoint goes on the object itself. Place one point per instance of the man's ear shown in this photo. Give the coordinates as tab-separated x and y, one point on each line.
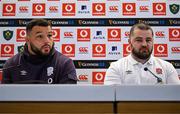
27	38
129	41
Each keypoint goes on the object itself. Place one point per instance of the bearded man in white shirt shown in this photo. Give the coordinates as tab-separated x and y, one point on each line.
140	67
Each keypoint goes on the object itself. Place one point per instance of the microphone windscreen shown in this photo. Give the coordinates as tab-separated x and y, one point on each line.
145	68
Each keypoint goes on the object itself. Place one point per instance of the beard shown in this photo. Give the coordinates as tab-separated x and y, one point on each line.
142	53
38	52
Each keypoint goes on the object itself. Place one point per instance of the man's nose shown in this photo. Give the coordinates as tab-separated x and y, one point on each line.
144	43
46	39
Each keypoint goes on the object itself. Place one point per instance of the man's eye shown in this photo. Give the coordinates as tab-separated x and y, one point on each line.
148	40
139	40
40	36
50	35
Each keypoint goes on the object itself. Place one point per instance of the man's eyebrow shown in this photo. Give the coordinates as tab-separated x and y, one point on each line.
38	32
138	37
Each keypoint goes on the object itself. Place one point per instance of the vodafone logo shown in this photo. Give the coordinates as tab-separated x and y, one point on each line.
7	50
20	35
83	34
9	9
159	8
38	9
126	50
98	77
99	50
174	34
114	34
56	34
160	50
129	9
98	9
68	9
68	50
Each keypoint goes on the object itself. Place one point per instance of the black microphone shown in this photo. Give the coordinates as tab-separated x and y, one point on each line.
159	80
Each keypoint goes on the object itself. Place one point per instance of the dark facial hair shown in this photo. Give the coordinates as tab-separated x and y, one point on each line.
141	55
38	51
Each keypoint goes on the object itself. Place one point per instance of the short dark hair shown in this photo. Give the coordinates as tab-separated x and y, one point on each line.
140	26
36	22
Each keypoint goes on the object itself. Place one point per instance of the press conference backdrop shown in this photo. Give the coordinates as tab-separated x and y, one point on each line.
92	32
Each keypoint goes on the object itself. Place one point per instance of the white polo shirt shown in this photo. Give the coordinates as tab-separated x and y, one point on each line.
128	71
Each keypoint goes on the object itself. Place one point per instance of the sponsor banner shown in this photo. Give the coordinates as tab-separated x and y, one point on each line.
98	77
2	62
175	63
92	64
160	50
7	50
96	22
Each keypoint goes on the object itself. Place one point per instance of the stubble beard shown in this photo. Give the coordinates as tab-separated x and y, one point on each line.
38	52
142	55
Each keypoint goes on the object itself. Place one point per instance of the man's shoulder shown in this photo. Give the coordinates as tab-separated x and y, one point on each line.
13	60
61	57
161	61
121	60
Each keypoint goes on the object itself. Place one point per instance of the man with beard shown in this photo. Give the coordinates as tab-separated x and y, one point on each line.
140	67
40	62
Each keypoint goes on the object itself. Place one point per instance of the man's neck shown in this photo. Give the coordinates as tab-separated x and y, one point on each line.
143	61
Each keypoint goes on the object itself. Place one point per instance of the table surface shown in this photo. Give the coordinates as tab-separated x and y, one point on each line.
102	93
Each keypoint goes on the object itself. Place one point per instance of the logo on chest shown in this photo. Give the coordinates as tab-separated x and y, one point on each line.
50	71
128	72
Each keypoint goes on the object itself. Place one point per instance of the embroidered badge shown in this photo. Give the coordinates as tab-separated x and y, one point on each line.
128	72
158	70
23	72
50	71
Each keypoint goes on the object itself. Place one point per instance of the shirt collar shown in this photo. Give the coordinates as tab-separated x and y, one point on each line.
134	62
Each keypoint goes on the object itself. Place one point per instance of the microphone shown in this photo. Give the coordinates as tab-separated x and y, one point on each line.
159	80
